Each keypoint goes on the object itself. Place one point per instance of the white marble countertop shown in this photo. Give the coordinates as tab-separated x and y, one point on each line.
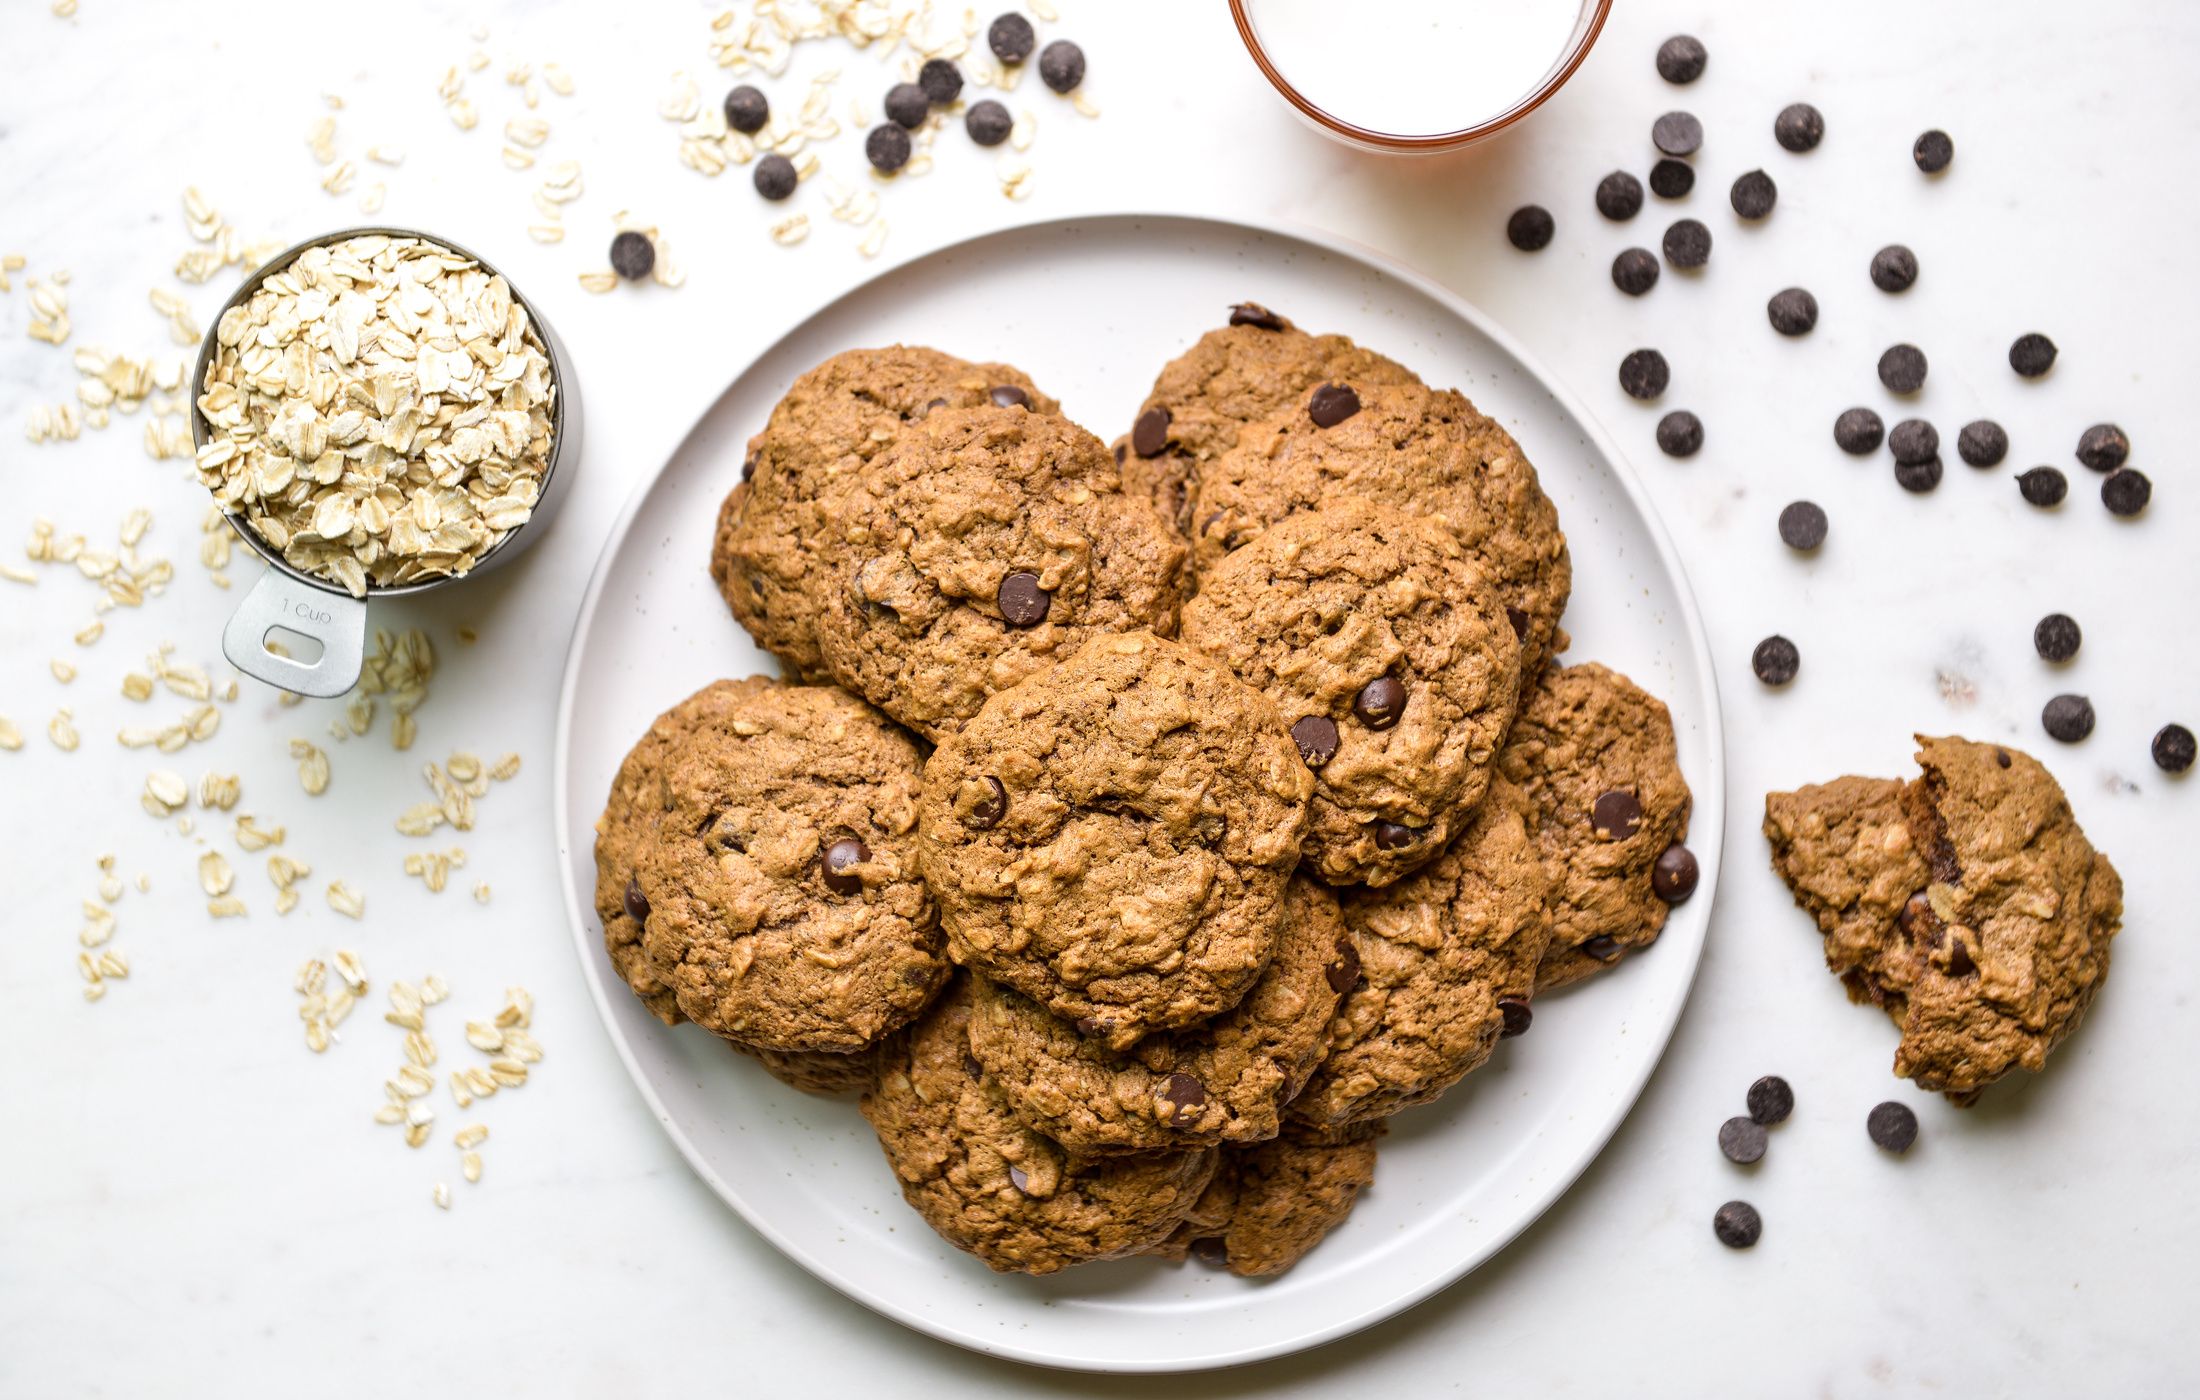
194	1203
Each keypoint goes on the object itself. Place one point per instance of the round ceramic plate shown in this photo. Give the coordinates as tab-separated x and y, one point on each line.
1456	1179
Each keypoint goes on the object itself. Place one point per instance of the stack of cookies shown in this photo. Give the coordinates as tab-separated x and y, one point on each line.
1140	826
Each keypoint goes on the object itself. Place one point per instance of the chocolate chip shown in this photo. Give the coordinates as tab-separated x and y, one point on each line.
1019	1180
1753	194
1918	477
1902	369
1802	525
1380	702
841	860
2001	757
1603	947
1959	960
887	148
987	811
1982	443
633	255
1518	619
1181	1094
1671	179
1770	1100
1933	151
1644	374
1316	736
1673	877
1914	440
1390	836
2056	637
1892	1126
2126	491
1677	133
1859	431
1062	65
1742	1140
1213	1251
1121	450
1615	815
1009	396
1619	196
1022	601
1775	660
988	122
637	903
1344	973
748	467
775	177
2068	718
2173	748
1091	1026
907	105
1894	268
1331	404
1681	59
941	80
1792	312
971	1067
1150	434
2032	354
1530	228
1010	37
747	110
1517	1016
1635	271
2103	447
1680	433
1688	243
2043	486
1252	313
1737	1224
1799	127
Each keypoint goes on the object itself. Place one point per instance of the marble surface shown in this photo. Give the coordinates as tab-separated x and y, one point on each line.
194	1203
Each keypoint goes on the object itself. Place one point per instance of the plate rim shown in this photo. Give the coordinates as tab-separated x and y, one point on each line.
588	940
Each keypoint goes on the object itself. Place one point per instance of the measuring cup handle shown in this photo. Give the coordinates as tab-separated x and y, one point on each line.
336	620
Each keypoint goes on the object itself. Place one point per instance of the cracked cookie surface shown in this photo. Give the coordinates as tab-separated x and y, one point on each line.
1272	1202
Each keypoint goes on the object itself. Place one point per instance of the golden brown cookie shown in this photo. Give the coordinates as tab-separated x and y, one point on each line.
1112	837
1272	1202
1391	659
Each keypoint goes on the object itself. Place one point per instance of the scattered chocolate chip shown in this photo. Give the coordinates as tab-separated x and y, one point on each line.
1673	878
1859	431
1182	1094
2103	447
1918	477
1344	973
1671	179
1009	396
1775	660
1688	243
1022	601
841	860
1677	133
775	177
1894	268
1982	443
1331	404
1792	312
1603	947
1011	38
2032	354
1753	194
1252	313
1737	1224
1517	1016
1390	836
1150	434
907	105
1681	59
1914	440
988	122
1316	736
1635	271
1799	127
1742	1140
1892	1126
1802	525
1902	369
2056	637
1615	815
2173	748
2043	486
1933	151
1680	433
747	110
1644	374
1062	66
1619	196
1380	702
1770	1100
887	148
1530	228
2068	718
2126	491
941	80
637	904
1019	1180
633	255
987	811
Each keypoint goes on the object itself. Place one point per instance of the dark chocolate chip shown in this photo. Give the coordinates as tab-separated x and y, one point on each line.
1982	443
987	811
1742	1140
637	903
2043	486
1252	313
1091	1026
2068	718
1737	1224
1009	396
1673	878
2103	447
2032	354
1062	66
1022	601
1121	450
1011	38
1894	268
1914	440
748	467
1517	1017
1530	228
1959	960
1380	702
1770	1100
1635	271
1933	151
1892	1126
1802	525
1688	243
1680	433
1799	127
2056	637
1859	431
1619	196
2173	748
2126	491
1615	815
1343	974
1603	947
1671	179
1316	736
1918	477
841	860
1677	133
1331	404
747	110
988	122
1518	619
1181	1094
941	80
1753	194
1792	312
1775	660
887	148
1150	434
775	177
1644	374
633	255
971	1068
1390	836
907	105
1681	59
1019	1180
1902	369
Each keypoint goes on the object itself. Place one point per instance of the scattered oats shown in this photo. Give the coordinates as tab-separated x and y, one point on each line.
15	573
519	1008
95	991
557	79
91	633
420	819
62	730
484	1037
517	159
390	1114
546	233
470	1137
110	888
321	140
469	1164
599	282
372	201
508	1073
874	239
433	989
253	837
339	1007
165	792
317	1036
1082	102
353	971
286	899
481	893
312	977
413	1081
529	132
215	875
419	1049
64	9
1026	128
462	114
521	1046
312	767
416	1135
386	155
434	868
87	967
10	737
346	901
227	907
401	732
442	1195
339	180
788	232
1015	178
506	768
220	791
359	712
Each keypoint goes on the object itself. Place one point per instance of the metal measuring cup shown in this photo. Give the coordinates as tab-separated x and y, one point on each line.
287	597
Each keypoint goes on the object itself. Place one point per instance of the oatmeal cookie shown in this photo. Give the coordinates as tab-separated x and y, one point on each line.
1272	1202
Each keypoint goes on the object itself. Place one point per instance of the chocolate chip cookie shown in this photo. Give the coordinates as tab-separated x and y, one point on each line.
1427	452
982	545
832	420
1595	752
1272	1202
1244	372
1391	659
1112	837
779	891
1966	903
1448	960
1226	1080
992	1186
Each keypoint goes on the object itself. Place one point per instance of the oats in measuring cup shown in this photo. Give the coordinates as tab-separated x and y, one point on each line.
380	412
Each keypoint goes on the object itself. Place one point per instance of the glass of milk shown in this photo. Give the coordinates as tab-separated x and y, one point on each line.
1417	75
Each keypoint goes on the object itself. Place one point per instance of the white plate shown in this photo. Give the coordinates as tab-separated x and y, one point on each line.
1091	308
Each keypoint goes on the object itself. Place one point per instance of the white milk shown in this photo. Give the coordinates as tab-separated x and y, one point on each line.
1414	67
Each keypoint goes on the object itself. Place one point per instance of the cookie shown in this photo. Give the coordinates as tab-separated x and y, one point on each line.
992	1186
1112	837
1426	452
1226	1080
1966	903
982	545
783	905
1442	952
1254	367
1595	752
1392	661
1272	1202
832	420
818	1071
